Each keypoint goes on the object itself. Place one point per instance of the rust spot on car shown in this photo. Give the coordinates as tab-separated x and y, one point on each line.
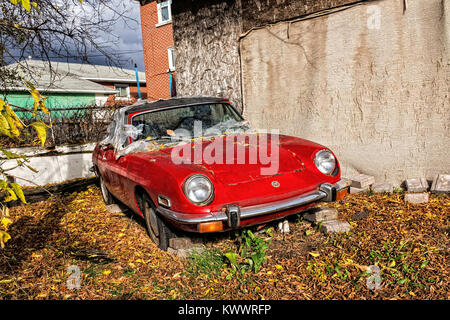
206	169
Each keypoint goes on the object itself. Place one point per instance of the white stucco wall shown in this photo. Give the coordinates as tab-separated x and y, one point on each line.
69	164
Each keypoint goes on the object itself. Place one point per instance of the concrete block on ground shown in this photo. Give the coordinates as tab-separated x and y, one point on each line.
283	226
416	185
362	181
181	243
343	183
383	187
116	208
416	198
321	214
335	226
441	184
184	253
354	190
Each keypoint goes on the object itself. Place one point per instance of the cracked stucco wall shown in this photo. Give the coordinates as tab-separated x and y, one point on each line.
206	37
206	49
370	82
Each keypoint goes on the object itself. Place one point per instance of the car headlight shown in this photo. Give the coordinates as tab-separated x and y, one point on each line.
199	189
325	162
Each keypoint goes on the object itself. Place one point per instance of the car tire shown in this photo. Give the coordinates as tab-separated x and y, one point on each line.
157	229
108	198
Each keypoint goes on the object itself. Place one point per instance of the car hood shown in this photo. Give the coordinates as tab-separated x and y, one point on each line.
241	159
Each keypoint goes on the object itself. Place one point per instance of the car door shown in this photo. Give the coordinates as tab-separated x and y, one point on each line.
119	178
107	163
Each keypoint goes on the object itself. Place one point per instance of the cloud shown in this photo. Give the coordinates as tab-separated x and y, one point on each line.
126	34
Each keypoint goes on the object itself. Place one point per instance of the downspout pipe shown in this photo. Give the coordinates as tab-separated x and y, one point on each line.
137	81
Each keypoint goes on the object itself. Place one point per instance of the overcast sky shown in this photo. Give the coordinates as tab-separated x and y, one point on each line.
129	35
125	38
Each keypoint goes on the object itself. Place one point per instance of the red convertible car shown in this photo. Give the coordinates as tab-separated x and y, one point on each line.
194	164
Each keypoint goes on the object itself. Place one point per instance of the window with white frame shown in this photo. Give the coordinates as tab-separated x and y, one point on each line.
123	91
164	12
171	53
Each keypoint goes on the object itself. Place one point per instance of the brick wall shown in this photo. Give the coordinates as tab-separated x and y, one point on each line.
156	41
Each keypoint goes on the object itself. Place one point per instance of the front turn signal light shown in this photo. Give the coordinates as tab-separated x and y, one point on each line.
210	227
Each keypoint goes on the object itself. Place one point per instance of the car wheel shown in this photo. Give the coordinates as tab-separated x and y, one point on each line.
158	230
108	198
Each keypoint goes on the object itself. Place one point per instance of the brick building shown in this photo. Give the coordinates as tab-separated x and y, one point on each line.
157	38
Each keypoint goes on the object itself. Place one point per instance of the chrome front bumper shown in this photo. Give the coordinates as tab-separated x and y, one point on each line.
233	214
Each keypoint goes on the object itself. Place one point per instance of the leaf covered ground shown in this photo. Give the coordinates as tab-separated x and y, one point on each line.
117	260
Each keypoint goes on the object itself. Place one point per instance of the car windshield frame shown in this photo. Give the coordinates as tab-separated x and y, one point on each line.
236	114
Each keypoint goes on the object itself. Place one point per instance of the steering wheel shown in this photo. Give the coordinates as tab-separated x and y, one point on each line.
183	120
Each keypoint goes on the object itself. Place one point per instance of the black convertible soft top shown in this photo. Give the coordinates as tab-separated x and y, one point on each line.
173	102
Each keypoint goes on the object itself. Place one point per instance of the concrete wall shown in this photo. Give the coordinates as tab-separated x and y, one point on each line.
206	37
371	82
70	163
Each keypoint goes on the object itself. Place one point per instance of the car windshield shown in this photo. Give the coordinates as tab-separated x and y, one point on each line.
188	122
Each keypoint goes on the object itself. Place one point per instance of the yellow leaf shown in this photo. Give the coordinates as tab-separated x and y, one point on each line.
6	281
18	191
5	222
38	100
13	131
11	197
4	237
106	272
41	129
4	126
16	119
315	255
26	4
279	267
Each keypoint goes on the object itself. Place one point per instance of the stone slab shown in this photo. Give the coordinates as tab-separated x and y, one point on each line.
416	198
321	214
441	184
184	253
335	226
382	187
362	181
354	190
115	208
416	185
343	183
180	243
283	226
